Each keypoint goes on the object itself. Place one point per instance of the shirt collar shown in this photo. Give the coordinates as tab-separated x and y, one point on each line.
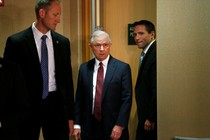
38	34
147	48
105	61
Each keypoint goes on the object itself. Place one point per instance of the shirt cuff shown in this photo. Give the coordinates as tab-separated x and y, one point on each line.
76	126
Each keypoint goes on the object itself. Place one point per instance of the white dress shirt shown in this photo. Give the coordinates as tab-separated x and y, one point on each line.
95	72
51	62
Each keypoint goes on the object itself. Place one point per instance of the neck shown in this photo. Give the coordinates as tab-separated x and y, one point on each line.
41	27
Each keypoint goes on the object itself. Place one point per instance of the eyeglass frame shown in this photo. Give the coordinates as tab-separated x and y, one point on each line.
105	45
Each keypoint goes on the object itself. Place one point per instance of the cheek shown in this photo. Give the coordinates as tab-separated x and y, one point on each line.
136	37
107	51
95	51
147	40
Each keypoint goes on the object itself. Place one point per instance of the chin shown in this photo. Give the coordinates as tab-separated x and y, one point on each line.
53	28
140	47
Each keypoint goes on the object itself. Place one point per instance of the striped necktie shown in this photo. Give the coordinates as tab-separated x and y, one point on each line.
98	95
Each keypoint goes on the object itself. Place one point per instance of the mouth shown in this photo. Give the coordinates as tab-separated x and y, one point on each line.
140	43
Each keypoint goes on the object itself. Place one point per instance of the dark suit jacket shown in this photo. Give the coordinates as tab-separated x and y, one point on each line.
116	96
21	49
13	101
146	90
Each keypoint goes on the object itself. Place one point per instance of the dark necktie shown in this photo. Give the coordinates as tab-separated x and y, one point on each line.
142	57
98	95
44	66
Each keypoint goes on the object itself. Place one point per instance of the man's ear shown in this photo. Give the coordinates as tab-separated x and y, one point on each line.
89	45
41	13
153	34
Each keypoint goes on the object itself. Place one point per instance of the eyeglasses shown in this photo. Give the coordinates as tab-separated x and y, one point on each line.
105	45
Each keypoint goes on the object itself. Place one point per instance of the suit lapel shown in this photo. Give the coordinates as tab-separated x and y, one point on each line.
111	67
56	47
32	45
90	66
144	60
147	54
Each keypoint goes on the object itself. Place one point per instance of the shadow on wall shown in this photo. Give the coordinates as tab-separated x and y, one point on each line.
189	138
133	122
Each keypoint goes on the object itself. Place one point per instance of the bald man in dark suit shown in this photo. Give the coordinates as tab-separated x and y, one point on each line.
51	110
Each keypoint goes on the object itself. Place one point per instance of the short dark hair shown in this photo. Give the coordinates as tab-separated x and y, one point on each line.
149	25
43	4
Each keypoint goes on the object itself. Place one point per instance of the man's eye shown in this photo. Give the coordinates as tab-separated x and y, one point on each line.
105	45
97	45
56	15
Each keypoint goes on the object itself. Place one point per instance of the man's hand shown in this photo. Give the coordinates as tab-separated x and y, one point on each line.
148	125
76	134
71	127
116	132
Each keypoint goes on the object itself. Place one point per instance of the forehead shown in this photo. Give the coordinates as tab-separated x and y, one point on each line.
55	6
101	38
141	28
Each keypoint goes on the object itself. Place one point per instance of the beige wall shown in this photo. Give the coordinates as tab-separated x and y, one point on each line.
183	28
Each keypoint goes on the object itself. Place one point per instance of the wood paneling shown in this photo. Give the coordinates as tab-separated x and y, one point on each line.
86	29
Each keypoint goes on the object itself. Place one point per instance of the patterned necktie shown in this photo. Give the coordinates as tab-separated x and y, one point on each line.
98	95
141	57
44	66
